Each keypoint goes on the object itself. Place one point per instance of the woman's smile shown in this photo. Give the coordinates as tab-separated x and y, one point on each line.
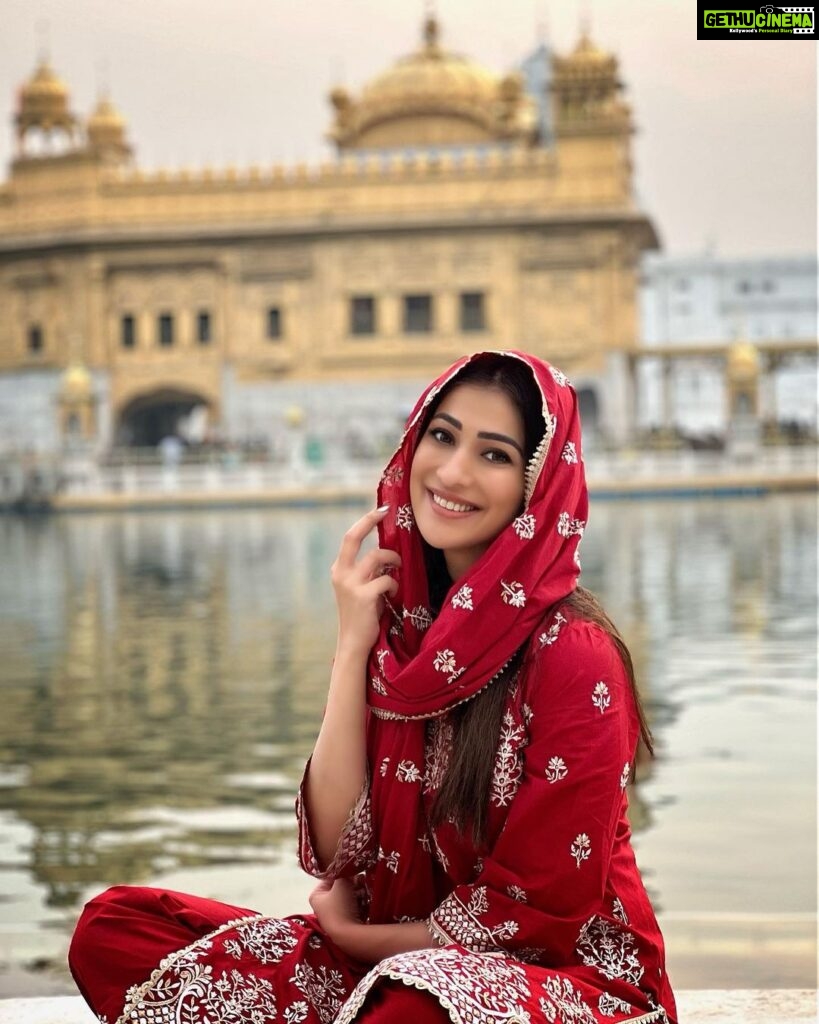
450	506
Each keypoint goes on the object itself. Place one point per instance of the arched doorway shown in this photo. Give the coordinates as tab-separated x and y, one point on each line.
589	407
166	412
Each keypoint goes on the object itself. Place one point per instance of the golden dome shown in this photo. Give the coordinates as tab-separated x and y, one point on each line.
587	60
106	128
743	361
432	84
76	384
43	102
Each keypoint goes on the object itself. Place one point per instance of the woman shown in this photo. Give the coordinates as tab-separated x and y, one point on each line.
465	805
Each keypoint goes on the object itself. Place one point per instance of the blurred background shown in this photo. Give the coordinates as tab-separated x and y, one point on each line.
235	242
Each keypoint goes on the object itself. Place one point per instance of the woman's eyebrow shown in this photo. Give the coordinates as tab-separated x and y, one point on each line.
483	434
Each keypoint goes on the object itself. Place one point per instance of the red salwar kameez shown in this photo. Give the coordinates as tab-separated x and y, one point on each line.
549	919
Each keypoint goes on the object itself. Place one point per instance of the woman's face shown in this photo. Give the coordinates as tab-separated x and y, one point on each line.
466	481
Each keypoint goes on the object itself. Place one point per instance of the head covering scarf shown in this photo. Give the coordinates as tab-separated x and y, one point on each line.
421	667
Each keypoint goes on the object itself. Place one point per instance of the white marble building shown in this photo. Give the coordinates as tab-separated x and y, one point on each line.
693	305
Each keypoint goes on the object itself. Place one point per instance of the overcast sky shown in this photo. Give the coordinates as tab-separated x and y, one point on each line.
726	148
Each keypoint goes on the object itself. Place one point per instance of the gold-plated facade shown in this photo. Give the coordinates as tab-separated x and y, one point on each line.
444	225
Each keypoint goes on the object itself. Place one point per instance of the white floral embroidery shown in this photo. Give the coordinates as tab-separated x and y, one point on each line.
323	988
619	910
463	599
391	859
563	1005
548	638
560	378
378	686
517	893
581	848
610	949
187	990
392	475
569	453
407	771
420	617
425	843
477	867
527	714
268	939
296	1012
624	775
508	767
601	697
524	526
381	657
568	527
556	769
439	853
437	752
384	766
513	594
475	989
445	662
404	518
461	922
608	1005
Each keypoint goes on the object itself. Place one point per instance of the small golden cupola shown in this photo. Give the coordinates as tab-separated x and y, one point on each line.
433	98
44	112
106	131
587	91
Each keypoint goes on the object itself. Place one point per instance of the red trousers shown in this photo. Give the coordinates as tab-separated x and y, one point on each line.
124	933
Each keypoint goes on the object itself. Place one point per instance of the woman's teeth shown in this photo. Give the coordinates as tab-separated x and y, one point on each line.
451	505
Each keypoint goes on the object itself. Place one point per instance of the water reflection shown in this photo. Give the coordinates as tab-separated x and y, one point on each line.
163	677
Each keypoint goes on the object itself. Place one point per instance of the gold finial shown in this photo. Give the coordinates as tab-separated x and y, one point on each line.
431	27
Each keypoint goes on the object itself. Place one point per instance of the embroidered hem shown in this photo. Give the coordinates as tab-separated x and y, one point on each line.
349	1011
355	837
135	996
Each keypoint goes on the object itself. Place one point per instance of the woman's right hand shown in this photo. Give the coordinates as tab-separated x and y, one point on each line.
360	585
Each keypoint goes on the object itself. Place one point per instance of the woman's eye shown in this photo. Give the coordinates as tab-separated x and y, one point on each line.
440	434
496	455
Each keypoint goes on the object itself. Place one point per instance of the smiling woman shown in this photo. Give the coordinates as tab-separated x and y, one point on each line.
465	806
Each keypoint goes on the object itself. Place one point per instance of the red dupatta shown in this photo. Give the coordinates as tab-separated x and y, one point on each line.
420	668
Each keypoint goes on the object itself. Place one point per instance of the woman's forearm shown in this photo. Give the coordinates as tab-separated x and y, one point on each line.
372	942
338	769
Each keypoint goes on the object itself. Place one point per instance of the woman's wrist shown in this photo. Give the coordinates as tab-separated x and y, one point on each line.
351	654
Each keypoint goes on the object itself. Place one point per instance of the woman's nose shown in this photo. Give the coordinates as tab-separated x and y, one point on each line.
455	470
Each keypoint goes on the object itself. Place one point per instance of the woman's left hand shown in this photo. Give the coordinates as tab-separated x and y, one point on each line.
336	906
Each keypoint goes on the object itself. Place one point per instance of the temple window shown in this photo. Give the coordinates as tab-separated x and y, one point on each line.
127	331
362	314
417	314
274	323
165	325
35	339
473	311
204	331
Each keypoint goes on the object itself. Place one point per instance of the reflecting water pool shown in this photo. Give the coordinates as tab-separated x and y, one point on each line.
162	677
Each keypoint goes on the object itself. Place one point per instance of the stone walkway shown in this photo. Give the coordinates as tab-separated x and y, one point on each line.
710	1006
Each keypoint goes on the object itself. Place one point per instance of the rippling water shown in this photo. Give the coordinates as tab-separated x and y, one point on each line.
162	677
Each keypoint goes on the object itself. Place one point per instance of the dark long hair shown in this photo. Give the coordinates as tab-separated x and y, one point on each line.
463	797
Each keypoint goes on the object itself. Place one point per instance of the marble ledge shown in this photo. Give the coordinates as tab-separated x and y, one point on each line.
706	1006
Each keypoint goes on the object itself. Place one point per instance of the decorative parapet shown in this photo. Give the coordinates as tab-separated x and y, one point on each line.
418	166
502	184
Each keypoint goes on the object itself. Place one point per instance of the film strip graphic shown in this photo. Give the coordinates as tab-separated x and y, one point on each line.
800	10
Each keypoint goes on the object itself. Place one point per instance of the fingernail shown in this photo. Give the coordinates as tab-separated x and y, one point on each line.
382	508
